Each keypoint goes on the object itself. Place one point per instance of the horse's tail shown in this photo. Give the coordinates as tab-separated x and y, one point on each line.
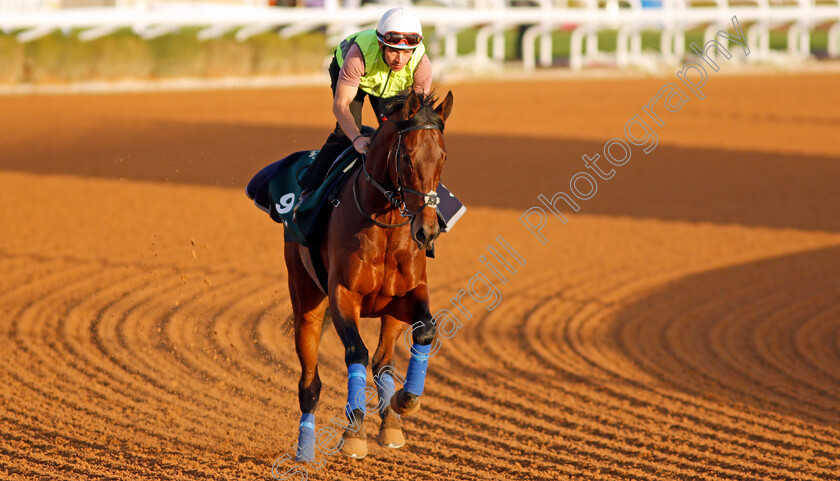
327	322
289	322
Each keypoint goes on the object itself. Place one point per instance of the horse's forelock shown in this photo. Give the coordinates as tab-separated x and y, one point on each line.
425	114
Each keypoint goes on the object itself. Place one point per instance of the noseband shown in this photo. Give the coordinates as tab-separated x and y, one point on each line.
397	199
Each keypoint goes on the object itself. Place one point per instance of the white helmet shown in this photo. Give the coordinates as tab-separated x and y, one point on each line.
399	28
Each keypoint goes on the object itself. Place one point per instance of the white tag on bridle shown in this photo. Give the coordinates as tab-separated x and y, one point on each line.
431	199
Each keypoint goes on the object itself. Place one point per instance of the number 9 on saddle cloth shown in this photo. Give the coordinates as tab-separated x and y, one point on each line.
275	190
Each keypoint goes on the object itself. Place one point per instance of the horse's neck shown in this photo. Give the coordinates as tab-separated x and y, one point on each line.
379	169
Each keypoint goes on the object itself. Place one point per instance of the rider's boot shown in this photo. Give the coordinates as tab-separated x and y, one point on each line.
303	196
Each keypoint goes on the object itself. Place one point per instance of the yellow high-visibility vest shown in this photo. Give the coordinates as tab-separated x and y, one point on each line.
379	80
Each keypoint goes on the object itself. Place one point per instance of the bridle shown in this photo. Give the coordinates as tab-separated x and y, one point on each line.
397	199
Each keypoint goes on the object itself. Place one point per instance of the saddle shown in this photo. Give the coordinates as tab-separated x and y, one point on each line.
275	190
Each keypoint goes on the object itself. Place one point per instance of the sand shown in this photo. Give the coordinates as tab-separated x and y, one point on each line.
685	324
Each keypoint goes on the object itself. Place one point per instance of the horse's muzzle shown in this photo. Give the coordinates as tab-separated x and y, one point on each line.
425	236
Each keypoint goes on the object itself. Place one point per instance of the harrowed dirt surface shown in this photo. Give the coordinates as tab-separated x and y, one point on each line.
685	324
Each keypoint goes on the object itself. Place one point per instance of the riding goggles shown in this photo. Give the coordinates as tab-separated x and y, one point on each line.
397	38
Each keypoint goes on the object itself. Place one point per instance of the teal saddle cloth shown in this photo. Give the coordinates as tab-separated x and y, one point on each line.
275	190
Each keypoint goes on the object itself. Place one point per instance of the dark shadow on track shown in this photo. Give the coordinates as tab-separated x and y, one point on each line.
672	183
762	334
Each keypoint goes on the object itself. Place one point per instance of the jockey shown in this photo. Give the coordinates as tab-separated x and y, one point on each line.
378	63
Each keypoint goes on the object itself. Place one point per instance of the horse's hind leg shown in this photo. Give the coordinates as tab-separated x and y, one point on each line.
390	432
308	305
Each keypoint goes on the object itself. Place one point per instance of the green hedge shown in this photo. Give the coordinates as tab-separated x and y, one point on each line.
124	55
65	58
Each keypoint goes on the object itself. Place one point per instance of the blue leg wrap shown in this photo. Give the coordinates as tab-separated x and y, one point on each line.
306	438
356	382
416	376
386	389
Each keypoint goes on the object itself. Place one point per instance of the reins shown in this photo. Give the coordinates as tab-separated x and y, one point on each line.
359	206
397	200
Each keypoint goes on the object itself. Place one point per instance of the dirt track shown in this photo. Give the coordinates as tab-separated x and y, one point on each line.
684	325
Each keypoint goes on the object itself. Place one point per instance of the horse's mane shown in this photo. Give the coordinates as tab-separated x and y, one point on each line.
425	115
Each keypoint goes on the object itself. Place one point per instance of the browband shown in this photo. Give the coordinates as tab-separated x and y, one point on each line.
422	127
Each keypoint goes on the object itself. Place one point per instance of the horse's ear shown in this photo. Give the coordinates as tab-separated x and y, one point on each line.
445	107
412	105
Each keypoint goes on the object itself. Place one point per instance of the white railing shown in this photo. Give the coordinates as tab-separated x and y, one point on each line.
30	19
40	5
20	6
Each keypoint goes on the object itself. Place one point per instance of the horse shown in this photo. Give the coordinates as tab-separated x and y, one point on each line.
373	249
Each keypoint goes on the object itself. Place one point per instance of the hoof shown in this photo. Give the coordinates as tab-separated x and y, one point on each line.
390	432
391	437
355	448
405	403
355	439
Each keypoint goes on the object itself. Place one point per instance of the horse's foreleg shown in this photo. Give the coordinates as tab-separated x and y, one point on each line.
390	432
407	399
308	305
346	307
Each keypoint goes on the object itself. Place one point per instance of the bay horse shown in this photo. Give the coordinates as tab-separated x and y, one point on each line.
374	250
